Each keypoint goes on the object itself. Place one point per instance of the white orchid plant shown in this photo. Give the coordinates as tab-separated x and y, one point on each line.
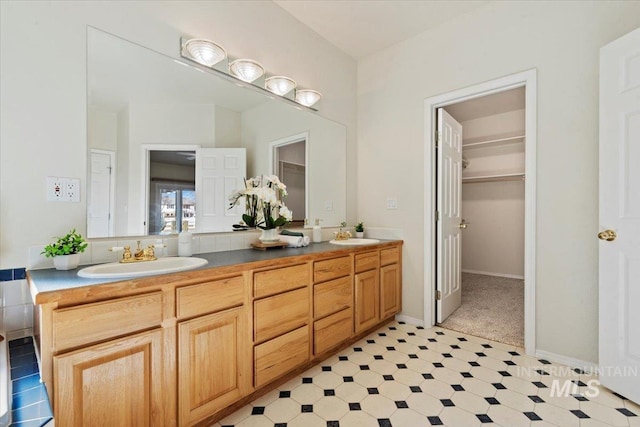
263	196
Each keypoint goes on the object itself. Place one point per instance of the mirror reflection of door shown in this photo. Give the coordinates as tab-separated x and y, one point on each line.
290	164
172	198
101	193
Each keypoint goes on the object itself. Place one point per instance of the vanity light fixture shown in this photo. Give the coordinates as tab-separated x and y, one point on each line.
246	70
307	97
205	52
280	85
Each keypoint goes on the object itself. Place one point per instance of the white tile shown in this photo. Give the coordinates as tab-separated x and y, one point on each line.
172	246
18	317
282	410
237	241
307	394
456	417
207	244
330	408
100	252
195	245
36	260
16	292
223	243
379	406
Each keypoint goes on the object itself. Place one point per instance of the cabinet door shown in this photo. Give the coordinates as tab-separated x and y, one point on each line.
214	366
118	383
390	290
367	307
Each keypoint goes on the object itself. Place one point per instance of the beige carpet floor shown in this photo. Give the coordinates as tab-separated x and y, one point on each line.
492	308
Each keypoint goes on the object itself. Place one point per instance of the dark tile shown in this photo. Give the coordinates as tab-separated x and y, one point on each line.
333	423
447	355
499	386
307	380
402	323
427	376
580	398
420	327
372	390
26	383
384	422
532	416
487	345
439	333
371	341
457	387
423	347
29	397
492	400
401	366
391	348
579	371
625	411
413	356
462	339
6	275
378	357
388	377
539	384
401	404
347	379
411	334
21	350
364	367
543	361
354	406
435	421
280	425
326	368
455	347
20	342
619	395
514	353
509	363
466	374
40	410
504	373
257	410
415	389
357	349
402	340
484	418
27	359
32	423
306	408
382	334
438	365
480	354
330	392
432	340
393	328
474	363
536	399
541	372
579	383
447	402
578	413
343	358
19	273
24	371
285	394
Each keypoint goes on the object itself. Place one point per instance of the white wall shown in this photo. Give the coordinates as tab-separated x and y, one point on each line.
561	40
43	96
103	131
227	128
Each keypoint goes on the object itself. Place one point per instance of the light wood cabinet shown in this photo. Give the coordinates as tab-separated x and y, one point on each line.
280	355
367	300
118	383
390	290
214	368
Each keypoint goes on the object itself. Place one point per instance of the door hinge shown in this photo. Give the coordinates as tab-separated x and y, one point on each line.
437	215
438	138
438	295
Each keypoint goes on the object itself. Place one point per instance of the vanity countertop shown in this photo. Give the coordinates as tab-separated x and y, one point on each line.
48	285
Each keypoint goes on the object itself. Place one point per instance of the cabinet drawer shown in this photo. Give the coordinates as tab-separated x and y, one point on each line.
89	323
367	261
273	282
332	296
331	269
209	297
332	331
282	313
389	256
280	355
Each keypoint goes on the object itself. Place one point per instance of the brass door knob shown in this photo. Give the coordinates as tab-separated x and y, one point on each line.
608	235
463	225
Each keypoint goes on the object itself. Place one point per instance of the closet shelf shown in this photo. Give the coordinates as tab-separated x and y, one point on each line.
495	142
494	178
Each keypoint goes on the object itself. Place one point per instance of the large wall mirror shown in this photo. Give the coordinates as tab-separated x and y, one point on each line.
168	142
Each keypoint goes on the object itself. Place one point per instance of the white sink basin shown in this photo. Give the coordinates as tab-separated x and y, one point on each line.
354	242
115	270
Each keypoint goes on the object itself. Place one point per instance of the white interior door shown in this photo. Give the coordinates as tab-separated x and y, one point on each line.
219	172
620	213
100	198
449	200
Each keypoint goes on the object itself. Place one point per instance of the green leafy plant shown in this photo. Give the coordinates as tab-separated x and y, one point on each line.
72	243
359	227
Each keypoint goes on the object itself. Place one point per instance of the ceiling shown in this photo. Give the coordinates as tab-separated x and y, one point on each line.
362	27
498	103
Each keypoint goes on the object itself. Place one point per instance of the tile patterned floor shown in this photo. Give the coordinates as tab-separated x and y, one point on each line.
408	376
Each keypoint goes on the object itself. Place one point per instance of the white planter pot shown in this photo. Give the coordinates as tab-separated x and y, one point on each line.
360	234
66	262
269	235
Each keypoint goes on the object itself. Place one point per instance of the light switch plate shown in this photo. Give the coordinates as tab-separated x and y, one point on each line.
392	203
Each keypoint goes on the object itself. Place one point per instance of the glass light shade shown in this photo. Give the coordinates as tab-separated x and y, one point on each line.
246	69
307	97
280	85
205	52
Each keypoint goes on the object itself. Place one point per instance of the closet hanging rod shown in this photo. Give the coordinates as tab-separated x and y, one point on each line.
494	178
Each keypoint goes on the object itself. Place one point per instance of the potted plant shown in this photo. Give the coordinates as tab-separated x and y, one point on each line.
66	250
359	227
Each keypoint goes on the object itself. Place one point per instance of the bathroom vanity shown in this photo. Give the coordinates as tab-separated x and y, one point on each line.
188	348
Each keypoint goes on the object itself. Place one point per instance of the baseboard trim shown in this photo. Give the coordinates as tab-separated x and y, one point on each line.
565	360
409	320
488	273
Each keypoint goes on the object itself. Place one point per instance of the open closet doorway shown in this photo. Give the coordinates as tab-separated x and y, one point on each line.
481	243
488	176
289	162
